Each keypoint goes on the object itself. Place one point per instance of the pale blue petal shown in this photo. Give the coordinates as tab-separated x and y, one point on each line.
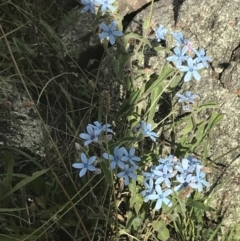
196	75
91	160
117	33
78	165
85	136
82	172
153	196
167	192
187	77
83	158
92	168
113	25
121	174
126	180
184	68
167	202
113	165
103	35
132	175
112	39
106	156
104	27
158	204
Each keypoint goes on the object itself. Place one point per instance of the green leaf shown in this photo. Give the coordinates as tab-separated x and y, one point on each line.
128	104
159	48
138	37
158	225
199	205
107	173
164	235
166	71
188	128
24	182
175	81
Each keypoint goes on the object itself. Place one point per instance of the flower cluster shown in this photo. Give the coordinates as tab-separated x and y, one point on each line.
187	99
180	57
108	32
121	157
158	180
94	132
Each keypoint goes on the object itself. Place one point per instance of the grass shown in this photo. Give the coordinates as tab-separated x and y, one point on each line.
42	196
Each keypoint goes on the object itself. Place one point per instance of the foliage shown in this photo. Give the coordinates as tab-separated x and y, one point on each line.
127	184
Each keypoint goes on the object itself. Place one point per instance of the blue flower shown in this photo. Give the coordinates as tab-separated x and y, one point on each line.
129	156
90	137
89	5
161	197
146	131
179	37
194	162
128	172
150	175
85	165
109	32
99	128
163	176
148	190
106	4
200	179
188	98
116	159
179	56
185	181
166	164
201	57
160	33
184	168
191	70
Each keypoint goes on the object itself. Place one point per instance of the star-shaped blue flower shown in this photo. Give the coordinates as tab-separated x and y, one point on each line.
109	32
90	137
161	197
188	98
166	165
191	70
163	177
179	56
129	156
148	190
184	168
106	4
200	179
116	159
89	5
179	37
146	131
201	57
100	128
150	175
128	172
185	181
85	165
160	33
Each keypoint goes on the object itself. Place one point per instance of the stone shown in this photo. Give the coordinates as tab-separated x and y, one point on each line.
20	126
214	26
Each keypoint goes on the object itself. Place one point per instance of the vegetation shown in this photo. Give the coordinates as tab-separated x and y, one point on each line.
42	194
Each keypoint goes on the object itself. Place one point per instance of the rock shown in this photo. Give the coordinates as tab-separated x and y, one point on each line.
214	26
129	6
20	126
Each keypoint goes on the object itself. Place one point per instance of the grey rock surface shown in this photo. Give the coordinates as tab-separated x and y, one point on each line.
20	126
214	26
